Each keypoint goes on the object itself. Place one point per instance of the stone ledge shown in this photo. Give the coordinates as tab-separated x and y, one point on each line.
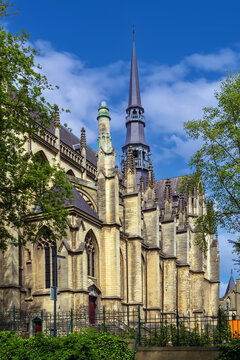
180	353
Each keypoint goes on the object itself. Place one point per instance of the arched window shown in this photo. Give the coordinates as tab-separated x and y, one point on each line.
92	254
49	246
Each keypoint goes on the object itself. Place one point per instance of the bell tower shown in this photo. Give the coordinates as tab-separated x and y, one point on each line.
135	124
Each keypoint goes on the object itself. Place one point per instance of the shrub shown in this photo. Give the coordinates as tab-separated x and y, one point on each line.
230	351
86	345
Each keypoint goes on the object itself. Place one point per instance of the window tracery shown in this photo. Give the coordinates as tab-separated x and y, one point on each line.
91	254
49	246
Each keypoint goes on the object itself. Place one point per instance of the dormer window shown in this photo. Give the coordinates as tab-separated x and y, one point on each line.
175	197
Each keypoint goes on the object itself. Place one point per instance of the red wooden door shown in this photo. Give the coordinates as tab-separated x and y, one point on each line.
92	309
37	326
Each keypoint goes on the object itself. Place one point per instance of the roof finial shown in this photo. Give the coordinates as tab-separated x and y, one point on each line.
56	115
133	32
231	272
83	143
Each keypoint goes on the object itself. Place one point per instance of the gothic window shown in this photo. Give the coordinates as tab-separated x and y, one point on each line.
49	247
92	253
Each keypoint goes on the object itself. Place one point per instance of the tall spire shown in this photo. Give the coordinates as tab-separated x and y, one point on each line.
134	90
135	124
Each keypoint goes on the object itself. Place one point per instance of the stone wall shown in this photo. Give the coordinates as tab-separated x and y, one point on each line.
179	353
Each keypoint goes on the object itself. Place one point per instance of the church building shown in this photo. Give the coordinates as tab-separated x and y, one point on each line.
131	238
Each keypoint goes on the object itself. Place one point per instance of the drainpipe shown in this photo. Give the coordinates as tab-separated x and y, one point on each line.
162	286
177	290
127	268
146	286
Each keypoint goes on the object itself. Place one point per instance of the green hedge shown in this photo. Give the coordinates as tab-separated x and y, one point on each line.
87	345
230	351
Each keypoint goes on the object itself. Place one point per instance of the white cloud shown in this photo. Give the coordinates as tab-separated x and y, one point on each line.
224	60
169	105
169	95
81	88
184	148
158	75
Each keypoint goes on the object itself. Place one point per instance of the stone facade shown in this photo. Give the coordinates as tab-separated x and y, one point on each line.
131	239
230	302
142	236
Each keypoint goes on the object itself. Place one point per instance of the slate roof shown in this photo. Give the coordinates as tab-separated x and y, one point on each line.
160	189
81	204
230	286
70	139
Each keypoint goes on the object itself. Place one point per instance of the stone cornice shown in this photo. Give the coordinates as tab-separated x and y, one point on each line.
90	218
181	231
10	286
135	193
114	224
212	281
152	308
197	272
135	238
170	257
153	248
179	264
154	208
111	298
73	210
166	221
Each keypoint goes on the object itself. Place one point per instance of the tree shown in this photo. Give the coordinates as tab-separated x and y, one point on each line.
32	192
217	163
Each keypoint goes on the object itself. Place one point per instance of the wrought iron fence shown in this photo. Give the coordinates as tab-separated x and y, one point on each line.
158	330
197	330
29	323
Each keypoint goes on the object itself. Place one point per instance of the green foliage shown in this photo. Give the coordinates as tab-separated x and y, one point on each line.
87	345
182	336
229	351
222	332
26	182
159	337
130	334
207	225
217	163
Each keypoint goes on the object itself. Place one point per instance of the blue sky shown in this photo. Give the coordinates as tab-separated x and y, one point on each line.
183	48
